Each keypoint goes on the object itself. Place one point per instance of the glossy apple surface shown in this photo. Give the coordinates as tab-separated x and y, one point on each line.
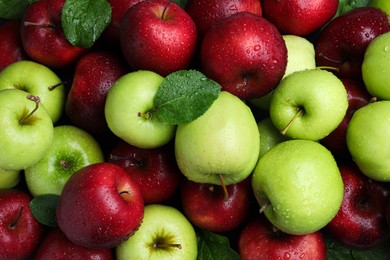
11	44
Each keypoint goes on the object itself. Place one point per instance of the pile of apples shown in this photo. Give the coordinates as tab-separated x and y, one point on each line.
195	129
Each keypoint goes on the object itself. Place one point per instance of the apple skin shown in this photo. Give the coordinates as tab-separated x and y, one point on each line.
269	135
155	169
165	233
245	54
341	44
150	42
22	145
100	206
206	12
361	221
43	38
206	207
72	149
11	43
94	75
299	17
259	239
56	245
20	232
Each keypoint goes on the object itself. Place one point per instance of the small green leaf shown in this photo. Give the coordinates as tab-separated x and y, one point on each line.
348	5
43	208
83	21
214	247
13	9
184	95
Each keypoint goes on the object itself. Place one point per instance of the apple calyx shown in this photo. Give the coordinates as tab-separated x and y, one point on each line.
35	99
65	164
223	184
43	25
12	225
165	9
300	112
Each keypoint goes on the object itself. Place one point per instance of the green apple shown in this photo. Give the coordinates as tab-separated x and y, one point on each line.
376	67
9	179
301	56
309	104
165	233
72	149
220	146
129	110
298	186
270	135
26	131
384	5
38	80
368	139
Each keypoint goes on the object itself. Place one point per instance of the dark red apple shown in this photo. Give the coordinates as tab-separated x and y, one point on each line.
20	232
358	96
343	41
155	170
206	206
57	246
299	17
361	221
100	206
206	12
11	43
245	54
158	35
43	38
93	77
259	239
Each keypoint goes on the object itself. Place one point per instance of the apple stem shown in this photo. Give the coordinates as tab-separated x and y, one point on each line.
49	25
165	9
13	224
146	115
327	68
164	245
131	159
225	191
299	113
329	59
373	99
262	208
35	99
56	85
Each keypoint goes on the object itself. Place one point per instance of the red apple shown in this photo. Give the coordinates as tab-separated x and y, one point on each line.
20	232
158	35
43	38
155	170
361	221
11	43
93	77
343	41
299	17
245	54
358	96
100	206
259	239
206	206
57	246
206	12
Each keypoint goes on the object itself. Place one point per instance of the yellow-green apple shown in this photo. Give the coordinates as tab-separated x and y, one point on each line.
72	149
129	110
26	131
299	17
245	54
158	35
93	76
269	135
221	146
9	179
368	141
165	233
38	80
20	232
308	104
298	186
100	206
384	5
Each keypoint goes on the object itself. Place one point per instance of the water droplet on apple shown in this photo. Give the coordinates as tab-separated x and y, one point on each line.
286	255
302	256
256	48
387	48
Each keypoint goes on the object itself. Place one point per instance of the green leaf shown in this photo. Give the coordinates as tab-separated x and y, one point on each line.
214	247
347	5
184	95
43	208
13	9
83	21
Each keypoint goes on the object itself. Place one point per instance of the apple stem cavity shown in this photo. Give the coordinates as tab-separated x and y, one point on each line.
65	164
166	245
12	225
165	9
35	99
43	25
299	113
223	184
146	115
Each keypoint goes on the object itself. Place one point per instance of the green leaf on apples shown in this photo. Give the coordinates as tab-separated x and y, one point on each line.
183	96
213	246
43	208
14	9
83	21
347	5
